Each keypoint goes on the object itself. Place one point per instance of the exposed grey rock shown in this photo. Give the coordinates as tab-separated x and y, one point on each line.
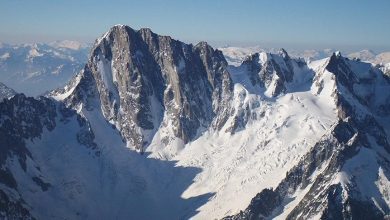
10	209
144	81
5	92
271	70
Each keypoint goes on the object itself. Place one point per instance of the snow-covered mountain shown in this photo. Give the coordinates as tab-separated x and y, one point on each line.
179	88
153	128
34	69
345	174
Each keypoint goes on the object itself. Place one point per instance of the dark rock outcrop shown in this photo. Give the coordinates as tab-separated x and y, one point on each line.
5	92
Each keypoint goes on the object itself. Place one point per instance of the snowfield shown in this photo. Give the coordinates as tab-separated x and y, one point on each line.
236	167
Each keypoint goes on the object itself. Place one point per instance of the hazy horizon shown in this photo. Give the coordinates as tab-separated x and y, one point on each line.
302	48
348	25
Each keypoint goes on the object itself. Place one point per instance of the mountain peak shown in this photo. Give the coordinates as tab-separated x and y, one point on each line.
337	54
283	53
146	30
202	44
139	75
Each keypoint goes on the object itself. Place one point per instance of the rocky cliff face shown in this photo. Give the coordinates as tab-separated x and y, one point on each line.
5	92
272	71
144	82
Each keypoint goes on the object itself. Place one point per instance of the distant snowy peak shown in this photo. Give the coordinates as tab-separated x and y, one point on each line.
145	81
69	44
5	92
236	55
364	55
383	58
372	57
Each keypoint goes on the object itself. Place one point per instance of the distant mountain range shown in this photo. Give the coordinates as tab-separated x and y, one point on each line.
34	69
235	55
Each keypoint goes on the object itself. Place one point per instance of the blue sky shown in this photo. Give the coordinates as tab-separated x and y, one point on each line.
341	24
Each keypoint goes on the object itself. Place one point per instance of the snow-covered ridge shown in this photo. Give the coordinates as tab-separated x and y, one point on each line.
235	55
